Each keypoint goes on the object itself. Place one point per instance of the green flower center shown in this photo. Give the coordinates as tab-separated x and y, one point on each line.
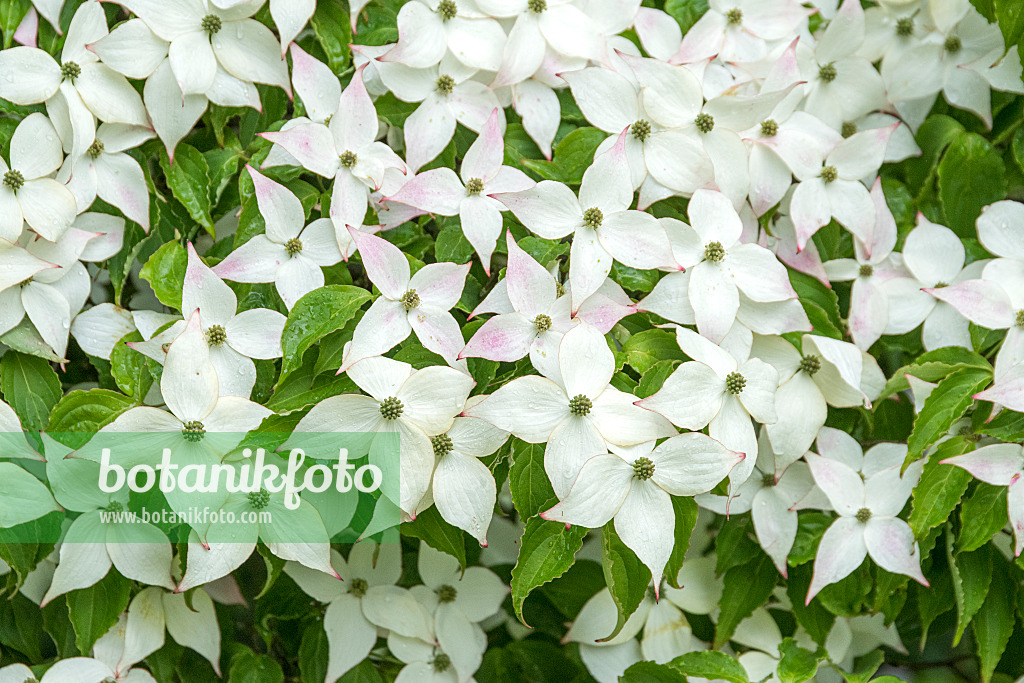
70	71
641	130
559	289
445	84
953	45
848	129
114	506
768	479
827	72
867	270
348	159
904	27
643	469
940	285
474	186
391	408
293	246
735	383
441	662
442	444
410	300
705	122
593	217
358	587
446	593
580	405
14	180
193	431
259	499
447	9
216	335
537	6
542	322
714	252
734	16
769	127
95	149
212	24
810	364
829	174
863	515
1019	322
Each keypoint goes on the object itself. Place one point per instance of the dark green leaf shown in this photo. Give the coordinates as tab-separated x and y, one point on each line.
993	624
650	672
334	32
642	351
30	386
625	575
934	366
95	609
189	180
971	575
945	405
546	552
130	368
438	534
315	315
313	653
531	489
84	412
982	515
939	491
971	176
250	667
165	272
686	12
820	303
797	664
573	155
1010	15
11	14
686	518
745	588
710	664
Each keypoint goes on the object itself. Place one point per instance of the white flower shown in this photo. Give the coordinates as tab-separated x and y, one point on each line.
1000	465
739	30
28	193
430	29
576	412
290	16
288	255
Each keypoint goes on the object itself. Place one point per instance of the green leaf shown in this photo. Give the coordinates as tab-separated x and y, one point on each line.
745	588
846	597
165	273
686	12
797	664
934	366
20	545
250	667
313	654
314	316
95	609
189	180
650	672
333	31
685	510
546	552
993	624
438	534
815	619
130	368
1006	426
21	626
652	380
710	664
531	489
644	350
11	14
947	403
572	156
31	387
939	491
451	244
625	575
820	303
634	279
972	175
982	516
971	575
1010	15
81	413
866	668
542	250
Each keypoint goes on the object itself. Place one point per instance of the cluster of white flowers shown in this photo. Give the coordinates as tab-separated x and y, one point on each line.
768	121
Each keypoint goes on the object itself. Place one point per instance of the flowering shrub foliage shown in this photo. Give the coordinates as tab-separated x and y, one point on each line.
700	323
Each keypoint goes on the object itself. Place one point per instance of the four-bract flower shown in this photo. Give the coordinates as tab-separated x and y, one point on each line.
429	29
719	268
345	149
288	255
867	522
738	30
28	194
576	412
603	226
441	191
417	404
290	16
719	389
407	303
634	487
1000	465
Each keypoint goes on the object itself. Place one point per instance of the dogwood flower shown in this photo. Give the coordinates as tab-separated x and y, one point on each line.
290	16
418	303
634	486
440	191
576	412
369	570
933	257
719	389
719	268
29	194
603	225
836	190
867	522
417	404
288	255
428	30
453	662
738	31
1000	465
826	372
17	265
76	88
81	669
345	149
472	594
105	171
